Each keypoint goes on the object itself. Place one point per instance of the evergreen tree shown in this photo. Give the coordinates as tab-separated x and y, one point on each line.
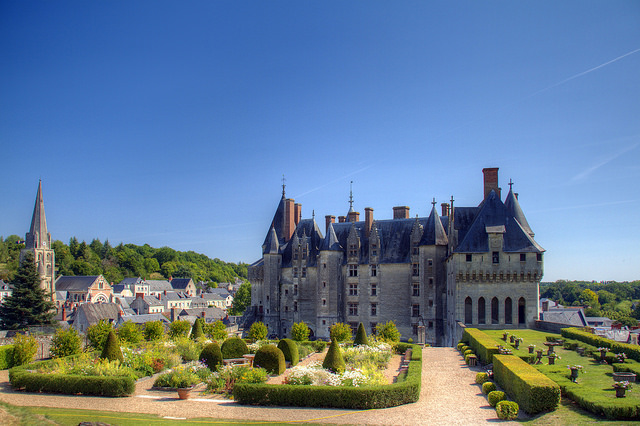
29	304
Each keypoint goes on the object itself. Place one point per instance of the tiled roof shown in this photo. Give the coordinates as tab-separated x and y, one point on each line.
80	283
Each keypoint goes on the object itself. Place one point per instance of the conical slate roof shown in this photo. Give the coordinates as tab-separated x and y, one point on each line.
330	241
434	233
272	245
513	209
277	223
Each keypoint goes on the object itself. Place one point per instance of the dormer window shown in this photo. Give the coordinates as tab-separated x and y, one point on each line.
539	257
353	250
304	253
295	272
416	250
374	249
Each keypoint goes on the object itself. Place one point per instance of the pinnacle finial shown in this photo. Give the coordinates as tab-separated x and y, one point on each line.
283	184
351	195
510	184
433	202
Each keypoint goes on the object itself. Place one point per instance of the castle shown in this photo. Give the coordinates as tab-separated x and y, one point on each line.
479	266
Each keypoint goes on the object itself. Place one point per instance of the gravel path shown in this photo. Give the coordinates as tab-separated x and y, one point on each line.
449	397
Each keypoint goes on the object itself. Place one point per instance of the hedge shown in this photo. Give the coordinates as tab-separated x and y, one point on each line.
632	351
6	357
628	367
532	390
483	345
404	391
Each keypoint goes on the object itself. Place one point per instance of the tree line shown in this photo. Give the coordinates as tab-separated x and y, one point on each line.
124	260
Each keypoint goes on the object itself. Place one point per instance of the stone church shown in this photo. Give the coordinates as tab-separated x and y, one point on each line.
38	242
478	266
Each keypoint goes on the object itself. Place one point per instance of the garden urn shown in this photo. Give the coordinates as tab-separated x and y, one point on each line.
512	338
552	360
184	393
517	343
531	348
620	392
574	374
603	353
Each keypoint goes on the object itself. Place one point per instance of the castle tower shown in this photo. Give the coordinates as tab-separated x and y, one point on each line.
38	242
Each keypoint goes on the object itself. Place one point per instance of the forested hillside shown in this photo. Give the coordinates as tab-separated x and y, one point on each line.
124	260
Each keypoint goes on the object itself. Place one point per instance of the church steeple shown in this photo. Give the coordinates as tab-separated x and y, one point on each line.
38	236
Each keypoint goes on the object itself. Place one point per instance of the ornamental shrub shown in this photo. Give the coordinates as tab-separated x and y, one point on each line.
333	360
179	328
258	331
488	387
24	349
153	330
460	345
271	359
388	332
340	332
496	396
6	357
319	345
129	332
468	352
197	331
211	356
290	351
481	378
234	347
97	334
361	336
464	349
507	410
217	330
111	349
482	344
65	343
300	331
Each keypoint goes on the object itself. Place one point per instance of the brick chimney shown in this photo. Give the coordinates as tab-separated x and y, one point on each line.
401	212
204	314
445	209
342	219
354	216
64	313
297	212
140	296
329	219
491	181
174	314
368	219
289	219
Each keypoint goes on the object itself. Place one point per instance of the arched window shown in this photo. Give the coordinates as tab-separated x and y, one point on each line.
482	317
468	312
495	319
508	311
522	309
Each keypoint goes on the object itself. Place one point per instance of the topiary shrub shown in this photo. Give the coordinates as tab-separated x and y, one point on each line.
464	348
507	410
290	351
481	378
271	359
319	345
111	349
496	396
460	345
97	334
468	352
211	355
333	360
340	332
234	347
65	343
300	331
258	331
197	331
388	332
361	336
488	387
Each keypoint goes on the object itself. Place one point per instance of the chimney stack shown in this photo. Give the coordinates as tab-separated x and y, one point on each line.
445	209
140	296
342	219
354	216
491	181
401	212
368	219
64	313
289	219
173	314
297	212
329	219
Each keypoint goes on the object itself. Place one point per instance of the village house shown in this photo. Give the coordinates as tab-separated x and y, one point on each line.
93	289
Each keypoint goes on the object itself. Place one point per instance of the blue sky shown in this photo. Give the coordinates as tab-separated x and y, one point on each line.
172	123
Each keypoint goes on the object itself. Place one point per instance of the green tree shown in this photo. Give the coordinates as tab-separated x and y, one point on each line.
153	330
29	304
217	330
179	328
340	332
590	298
300	331
65	342
97	334
196	330
388	332
25	349
258	331
129	332
242	299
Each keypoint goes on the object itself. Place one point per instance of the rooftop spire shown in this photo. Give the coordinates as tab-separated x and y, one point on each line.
38	236
283	185
351	197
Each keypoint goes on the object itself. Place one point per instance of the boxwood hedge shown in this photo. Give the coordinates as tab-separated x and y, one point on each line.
632	351
482	344
532	390
404	391
6	357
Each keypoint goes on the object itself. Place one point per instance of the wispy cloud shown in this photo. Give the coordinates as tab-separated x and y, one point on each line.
335	180
585	173
583	206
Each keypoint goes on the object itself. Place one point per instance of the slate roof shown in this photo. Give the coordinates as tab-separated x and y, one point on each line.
277	223
434	233
94	312
131	281
159	285
212	312
175	295
141	319
306	231
180	283
567	316
79	283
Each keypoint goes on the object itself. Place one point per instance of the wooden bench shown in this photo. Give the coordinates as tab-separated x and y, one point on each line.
235	361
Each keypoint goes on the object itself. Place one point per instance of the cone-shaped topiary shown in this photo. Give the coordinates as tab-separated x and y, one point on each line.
111	349
290	351
211	355
234	347
361	336
196	330
334	361
271	359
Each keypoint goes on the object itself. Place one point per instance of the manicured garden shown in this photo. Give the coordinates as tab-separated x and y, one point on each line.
583	372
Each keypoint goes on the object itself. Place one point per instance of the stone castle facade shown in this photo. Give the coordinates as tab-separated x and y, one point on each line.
479	266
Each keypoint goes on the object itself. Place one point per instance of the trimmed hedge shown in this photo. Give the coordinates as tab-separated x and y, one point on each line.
488	387
290	351
507	410
70	384
482	344
404	391
271	359
6	357
532	390
632	351
234	347
495	396
481	378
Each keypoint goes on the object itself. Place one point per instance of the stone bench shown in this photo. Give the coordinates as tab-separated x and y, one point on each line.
235	361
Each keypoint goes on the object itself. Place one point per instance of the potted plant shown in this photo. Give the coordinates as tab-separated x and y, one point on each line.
531	348
512	338
184	381
517	341
621	388
505	336
603	353
575	369
552	358
621	357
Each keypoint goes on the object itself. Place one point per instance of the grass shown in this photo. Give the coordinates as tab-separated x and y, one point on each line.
596	376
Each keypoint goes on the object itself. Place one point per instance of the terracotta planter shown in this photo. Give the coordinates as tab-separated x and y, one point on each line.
620	392
552	360
574	375
517	343
512	339
184	393
531	350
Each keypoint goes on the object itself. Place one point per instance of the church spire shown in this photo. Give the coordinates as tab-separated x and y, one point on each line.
351	197
38	236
